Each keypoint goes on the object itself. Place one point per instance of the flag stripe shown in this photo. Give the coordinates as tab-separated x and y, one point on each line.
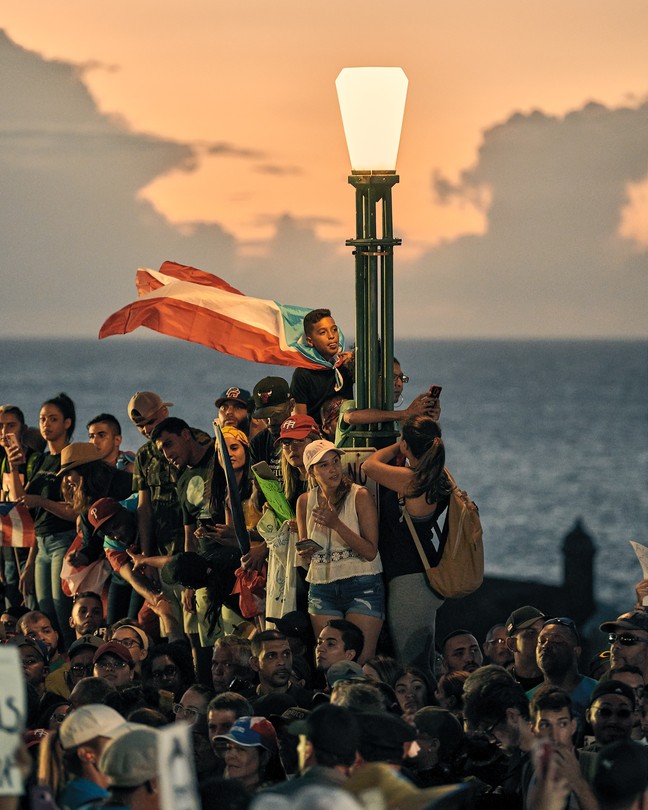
18	528
216	330
209	311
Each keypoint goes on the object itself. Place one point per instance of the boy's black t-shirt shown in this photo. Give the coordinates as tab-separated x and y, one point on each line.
312	388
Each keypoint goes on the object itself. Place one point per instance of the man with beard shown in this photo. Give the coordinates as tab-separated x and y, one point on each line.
628	637
557	655
461	652
496	709
523	627
272	660
611	715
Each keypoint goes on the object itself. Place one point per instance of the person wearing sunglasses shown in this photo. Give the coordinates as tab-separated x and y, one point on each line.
628	637
611	715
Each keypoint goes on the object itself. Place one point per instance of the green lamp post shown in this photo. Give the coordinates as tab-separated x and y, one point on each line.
372	103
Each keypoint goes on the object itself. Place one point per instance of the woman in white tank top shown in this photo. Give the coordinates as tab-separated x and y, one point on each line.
344	568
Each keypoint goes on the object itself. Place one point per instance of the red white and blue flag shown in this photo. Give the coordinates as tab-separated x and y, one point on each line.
193	305
17	525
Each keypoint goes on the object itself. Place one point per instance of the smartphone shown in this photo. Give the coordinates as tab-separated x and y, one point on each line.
308	545
10	440
435	391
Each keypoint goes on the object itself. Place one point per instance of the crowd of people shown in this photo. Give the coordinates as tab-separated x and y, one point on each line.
241	583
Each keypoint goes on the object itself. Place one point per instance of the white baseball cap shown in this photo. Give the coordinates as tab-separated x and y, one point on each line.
87	722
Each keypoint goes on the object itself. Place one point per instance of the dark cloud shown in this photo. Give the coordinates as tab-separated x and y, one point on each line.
74	231
551	262
268	168
229	150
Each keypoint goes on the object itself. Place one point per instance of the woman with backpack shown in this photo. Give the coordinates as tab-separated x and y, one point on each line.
412	478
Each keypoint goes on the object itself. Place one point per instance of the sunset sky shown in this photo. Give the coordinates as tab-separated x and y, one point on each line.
209	133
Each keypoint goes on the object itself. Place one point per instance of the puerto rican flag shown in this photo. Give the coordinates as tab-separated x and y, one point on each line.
17	525
193	305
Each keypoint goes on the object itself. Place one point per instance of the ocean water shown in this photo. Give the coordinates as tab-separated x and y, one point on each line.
540	433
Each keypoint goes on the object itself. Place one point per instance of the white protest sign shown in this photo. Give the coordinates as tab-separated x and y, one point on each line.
12	719
177	774
642	556
352	462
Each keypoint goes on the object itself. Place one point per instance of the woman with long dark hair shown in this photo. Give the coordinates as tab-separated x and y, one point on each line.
411	475
53	518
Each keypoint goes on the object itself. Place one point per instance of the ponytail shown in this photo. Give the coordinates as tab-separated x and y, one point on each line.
423	437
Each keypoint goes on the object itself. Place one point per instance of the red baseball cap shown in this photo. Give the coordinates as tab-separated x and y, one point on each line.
298	426
102	510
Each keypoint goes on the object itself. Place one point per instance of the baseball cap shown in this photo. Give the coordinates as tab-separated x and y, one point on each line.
343	670
38	646
294	624
144	404
87	722
252	731
288	717
131	759
316	450
84	643
298	426
331	729
102	510
270	394
76	454
612	687
564	621
628	621
114	648
383	735
521	618
236	394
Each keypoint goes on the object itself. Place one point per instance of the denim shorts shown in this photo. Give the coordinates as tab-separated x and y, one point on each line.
361	594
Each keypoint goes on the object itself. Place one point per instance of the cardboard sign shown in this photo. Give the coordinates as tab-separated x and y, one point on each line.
352	462
177	773
12	719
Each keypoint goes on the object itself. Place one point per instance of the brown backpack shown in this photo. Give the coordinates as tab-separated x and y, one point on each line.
461	569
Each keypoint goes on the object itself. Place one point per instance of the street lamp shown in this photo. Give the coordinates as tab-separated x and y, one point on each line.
372	103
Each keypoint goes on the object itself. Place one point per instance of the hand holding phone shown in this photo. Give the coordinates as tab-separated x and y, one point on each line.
308	545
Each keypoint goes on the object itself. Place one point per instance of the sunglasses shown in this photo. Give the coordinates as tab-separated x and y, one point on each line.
626	640
606	713
563	621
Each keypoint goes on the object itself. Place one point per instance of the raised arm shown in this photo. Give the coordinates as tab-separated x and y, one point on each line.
378	468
